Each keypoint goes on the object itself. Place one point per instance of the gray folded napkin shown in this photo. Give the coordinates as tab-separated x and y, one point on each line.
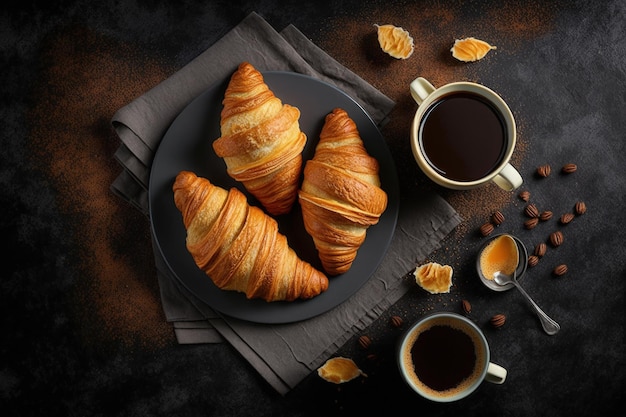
283	354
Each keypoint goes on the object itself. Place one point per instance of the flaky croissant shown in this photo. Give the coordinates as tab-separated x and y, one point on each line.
261	141
341	195
239	246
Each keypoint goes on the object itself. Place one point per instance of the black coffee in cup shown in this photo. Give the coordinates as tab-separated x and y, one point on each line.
463	136
444	357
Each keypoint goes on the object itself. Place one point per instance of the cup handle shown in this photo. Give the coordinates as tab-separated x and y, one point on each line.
495	374
508	179
420	89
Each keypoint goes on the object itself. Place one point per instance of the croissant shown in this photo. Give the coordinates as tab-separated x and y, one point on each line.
239	246
341	195
261	141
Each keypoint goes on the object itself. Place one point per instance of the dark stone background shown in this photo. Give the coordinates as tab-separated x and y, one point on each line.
83	332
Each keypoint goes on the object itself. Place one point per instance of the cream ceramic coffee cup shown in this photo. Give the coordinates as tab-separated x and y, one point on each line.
463	135
445	357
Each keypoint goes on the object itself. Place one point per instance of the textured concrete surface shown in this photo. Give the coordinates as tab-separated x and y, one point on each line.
83	332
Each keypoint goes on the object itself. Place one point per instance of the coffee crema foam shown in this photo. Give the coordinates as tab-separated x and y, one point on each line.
480	362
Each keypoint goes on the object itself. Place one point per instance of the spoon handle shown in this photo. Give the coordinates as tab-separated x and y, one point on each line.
550	326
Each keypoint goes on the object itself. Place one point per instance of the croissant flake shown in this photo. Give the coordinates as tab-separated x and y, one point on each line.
395	41
470	49
434	278
339	370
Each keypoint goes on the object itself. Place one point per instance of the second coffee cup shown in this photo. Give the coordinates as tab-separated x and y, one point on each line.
445	357
463	135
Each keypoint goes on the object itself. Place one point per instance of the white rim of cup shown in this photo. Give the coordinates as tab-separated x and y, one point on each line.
471	388
483	91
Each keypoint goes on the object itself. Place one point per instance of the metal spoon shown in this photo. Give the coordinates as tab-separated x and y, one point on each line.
550	326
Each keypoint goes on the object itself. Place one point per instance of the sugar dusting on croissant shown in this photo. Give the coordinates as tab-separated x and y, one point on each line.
261	141
238	246
340	195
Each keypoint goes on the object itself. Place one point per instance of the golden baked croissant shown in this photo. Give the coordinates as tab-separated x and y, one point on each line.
239	246
341	195
261	140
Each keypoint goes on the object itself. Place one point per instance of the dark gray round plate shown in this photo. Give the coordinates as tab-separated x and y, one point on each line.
187	145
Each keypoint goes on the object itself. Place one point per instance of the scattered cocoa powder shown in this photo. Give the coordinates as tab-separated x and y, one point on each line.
521	22
72	142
